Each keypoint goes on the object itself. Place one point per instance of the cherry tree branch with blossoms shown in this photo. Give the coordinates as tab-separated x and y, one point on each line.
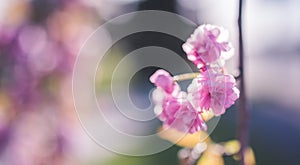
211	91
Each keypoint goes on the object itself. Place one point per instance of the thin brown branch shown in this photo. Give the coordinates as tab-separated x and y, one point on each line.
243	111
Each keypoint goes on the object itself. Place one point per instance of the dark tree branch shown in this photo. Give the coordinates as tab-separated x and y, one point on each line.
243	111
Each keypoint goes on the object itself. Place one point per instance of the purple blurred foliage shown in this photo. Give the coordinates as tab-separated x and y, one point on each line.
38	46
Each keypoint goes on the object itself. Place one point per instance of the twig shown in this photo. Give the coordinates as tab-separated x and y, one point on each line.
185	76
243	111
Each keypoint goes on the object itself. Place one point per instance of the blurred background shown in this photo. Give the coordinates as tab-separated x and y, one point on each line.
39	43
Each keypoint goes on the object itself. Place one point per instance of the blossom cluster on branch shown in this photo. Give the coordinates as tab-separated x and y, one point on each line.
212	90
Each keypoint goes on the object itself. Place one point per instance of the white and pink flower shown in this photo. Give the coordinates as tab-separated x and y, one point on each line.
208	44
213	91
172	106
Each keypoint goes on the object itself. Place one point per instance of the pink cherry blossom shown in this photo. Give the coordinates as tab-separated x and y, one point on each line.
172	106
188	119
208	44
213	91
179	113
163	80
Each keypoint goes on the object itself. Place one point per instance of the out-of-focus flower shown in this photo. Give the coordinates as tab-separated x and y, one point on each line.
182	139
208	44
211	156
39	41
213	91
37	138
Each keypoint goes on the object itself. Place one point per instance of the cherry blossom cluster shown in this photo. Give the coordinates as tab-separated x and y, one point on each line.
212	90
